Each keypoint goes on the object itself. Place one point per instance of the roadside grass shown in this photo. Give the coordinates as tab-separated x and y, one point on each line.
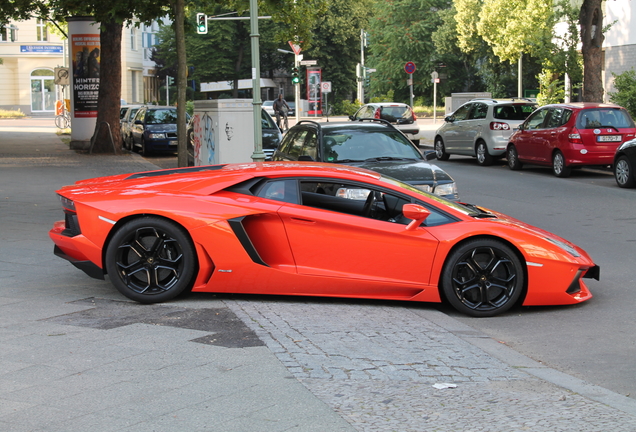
10	114
427	111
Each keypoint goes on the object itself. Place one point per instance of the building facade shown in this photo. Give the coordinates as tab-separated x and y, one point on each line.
31	51
619	46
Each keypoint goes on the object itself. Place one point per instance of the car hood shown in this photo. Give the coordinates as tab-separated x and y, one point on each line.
157	128
414	171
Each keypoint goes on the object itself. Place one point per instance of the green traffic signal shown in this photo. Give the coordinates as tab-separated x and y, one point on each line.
295	76
202	23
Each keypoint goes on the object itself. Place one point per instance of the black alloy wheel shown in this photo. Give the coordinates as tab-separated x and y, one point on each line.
513	158
151	260
440	150
483	278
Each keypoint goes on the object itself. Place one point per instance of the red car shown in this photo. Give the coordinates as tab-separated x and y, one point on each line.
310	229
567	136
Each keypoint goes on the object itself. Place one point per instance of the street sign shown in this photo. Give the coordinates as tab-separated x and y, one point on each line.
61	76
325	86
409	67
308	62
434	75
296	48
409	81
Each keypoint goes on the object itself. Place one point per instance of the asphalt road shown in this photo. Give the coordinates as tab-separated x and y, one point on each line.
594	340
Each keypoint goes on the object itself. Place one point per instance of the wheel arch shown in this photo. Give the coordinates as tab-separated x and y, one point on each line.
129	218
511	245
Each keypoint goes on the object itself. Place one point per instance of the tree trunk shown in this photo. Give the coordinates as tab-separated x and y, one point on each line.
109	89
591	21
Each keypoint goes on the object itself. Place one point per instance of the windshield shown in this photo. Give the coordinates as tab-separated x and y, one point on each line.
395	113
161	116
362	145
513	111
604	117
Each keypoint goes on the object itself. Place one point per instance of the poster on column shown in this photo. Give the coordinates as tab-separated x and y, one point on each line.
85	50
314	77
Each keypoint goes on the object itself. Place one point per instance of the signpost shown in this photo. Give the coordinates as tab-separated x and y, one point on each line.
409	68
296	48
435	80
325	87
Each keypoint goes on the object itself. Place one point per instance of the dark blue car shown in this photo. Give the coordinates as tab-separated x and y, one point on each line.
155	129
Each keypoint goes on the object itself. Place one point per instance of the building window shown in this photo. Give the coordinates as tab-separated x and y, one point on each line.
42	32
8	33
133	38
133	86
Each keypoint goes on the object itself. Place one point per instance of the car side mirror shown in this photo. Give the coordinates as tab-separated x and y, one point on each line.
415	212
138	122
449	119
522	126
430	155
352	117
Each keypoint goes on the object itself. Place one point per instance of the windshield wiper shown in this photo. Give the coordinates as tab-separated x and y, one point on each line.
348	160
387	158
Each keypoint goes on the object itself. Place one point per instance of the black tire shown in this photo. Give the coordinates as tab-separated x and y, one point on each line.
559	168
143	150
483	157
151	260
624	173
513	158
483	278
440	149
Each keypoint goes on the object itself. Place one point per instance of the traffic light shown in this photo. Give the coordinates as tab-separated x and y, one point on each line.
295	76
202	23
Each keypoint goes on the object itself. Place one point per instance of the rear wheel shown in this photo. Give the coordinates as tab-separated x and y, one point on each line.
624	173
144	150
483	157
558	165
483	278
151	260
513	158
440	150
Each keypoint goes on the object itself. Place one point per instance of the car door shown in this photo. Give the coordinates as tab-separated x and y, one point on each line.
526	140
472	128
328	238
547	138
454	130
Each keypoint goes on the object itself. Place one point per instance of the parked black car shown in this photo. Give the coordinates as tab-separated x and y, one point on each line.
368	143
154	129
625	163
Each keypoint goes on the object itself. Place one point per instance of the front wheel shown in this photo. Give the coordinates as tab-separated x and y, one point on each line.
440	150
483	278
624	173
513	158
151	260
558	165
483	157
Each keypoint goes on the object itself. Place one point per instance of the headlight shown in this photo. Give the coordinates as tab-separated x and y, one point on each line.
446	189
423	187
157	136
566	247
67	203
354	194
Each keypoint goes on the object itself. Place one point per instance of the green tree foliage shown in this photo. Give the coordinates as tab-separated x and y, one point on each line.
336	44
401	31
625	94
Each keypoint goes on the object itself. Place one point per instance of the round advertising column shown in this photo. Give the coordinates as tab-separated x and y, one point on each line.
84	61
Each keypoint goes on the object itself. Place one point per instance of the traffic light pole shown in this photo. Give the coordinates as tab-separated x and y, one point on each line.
297	89
258	155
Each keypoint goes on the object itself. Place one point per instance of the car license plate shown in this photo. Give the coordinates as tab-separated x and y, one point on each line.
608	138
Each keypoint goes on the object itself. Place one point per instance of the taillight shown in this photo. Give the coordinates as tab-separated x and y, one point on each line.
414	116
499	126
575	137
377	113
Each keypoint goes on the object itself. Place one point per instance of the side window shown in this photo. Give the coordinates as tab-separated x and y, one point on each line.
280	190
287	142
556	118
297	144
462	112
141	114
309	149
535	121
479	111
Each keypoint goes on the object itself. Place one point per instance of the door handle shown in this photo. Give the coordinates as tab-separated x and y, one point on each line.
302	220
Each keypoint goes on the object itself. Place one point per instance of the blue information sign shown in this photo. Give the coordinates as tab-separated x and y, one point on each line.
42	49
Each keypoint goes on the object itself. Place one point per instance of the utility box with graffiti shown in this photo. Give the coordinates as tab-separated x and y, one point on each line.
223	131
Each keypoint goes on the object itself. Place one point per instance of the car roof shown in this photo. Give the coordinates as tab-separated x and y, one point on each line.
383	104
584	105
347	125
497	101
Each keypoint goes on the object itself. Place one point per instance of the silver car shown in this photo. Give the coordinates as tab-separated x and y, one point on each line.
481	128
398	114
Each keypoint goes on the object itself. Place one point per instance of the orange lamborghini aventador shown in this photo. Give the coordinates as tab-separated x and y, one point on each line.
310	229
